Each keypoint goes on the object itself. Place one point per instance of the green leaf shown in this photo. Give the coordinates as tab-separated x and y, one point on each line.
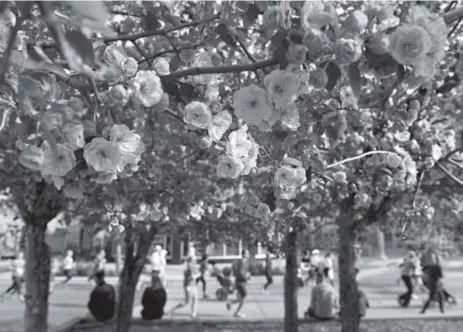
151	21
24	6
82	46
384	64
334	73
278	38
251	15
93	10
400	73
280	54
225	34
355	78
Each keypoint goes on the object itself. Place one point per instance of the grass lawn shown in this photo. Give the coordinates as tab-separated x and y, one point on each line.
405	325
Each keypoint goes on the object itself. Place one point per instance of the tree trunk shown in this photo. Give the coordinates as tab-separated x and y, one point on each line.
133	266
290	291
47	202
348	288
37	276
380	242
128	282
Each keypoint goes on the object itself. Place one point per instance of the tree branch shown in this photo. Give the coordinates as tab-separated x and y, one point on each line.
357	157
9	47
449	174
453	15
180	48
151	33
220	70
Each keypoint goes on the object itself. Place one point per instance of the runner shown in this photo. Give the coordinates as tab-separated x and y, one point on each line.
68	265
242	276
189	285
17	268
203	270
328	270
268	271
99	264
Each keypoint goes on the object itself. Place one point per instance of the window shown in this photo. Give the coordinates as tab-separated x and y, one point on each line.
233	249
216	249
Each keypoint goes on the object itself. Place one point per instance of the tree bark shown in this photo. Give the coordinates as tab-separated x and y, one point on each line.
290	291
380	242
45	202
348	287
37	276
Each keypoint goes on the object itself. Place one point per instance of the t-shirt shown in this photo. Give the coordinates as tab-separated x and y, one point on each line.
408	267
190	273
102	302
241	270
18	266
324	301
68	263
157	261
153	302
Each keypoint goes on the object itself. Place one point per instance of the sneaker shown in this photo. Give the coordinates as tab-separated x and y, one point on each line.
415	297
239	315
193	315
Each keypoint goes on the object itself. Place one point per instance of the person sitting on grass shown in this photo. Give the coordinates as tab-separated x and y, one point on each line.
154	299
324	301
102	302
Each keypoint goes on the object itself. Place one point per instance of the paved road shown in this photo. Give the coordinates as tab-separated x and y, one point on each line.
67	303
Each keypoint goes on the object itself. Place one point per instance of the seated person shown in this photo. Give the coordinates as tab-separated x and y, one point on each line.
154	299
324	302
102	302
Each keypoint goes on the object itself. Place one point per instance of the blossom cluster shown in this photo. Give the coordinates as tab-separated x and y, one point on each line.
252	206
264	107
288	178
420	42
55	158
241	152
127	82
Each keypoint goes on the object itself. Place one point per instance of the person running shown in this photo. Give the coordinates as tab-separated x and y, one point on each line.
242	276
158	262
68	266
324	302
189	285
154	299
54	270
17	269
408	269
328	270
202	270
268	271
102	303
99	264
435	286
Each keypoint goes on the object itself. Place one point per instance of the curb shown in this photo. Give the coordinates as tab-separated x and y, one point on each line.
68	326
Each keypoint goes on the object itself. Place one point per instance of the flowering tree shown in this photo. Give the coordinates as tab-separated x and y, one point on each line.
318	106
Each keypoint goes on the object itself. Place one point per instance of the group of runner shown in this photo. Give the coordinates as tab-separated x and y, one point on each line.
423	271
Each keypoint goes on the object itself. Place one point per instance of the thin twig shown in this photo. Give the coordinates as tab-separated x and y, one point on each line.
449	174
454	28
453	15
142	53
174	114
159	32
245	50
454	162
418	188
357	158
220	70
180	48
